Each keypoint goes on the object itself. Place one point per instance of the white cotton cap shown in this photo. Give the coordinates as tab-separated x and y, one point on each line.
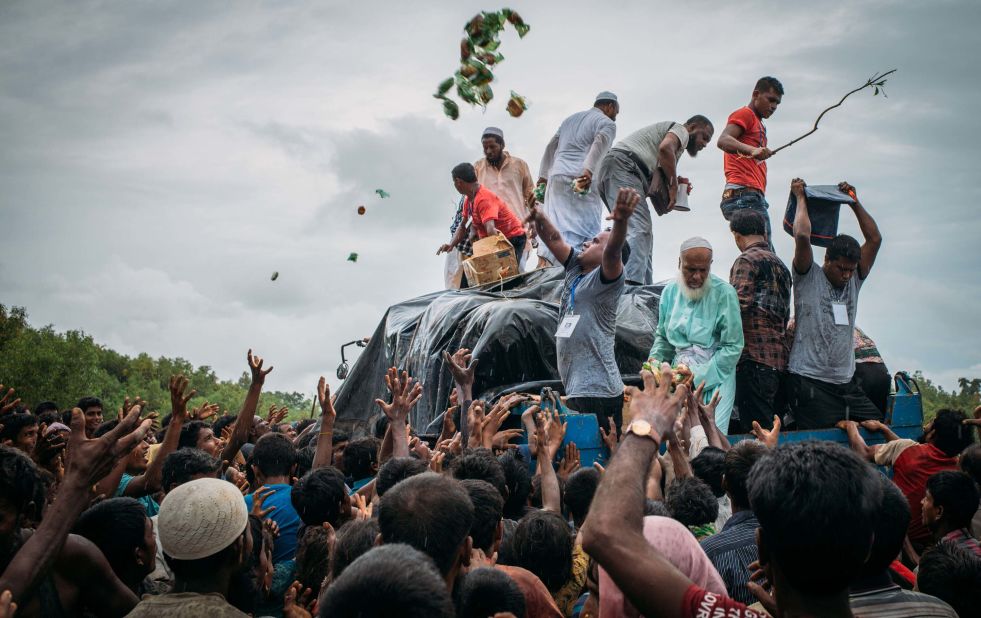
200	518
696	242
606	95
493	131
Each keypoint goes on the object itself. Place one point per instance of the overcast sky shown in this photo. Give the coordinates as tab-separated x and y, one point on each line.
159	160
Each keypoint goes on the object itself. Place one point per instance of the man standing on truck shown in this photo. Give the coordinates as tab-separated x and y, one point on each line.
573	155
507	176
744	143
587	314
487	212
699	325
822	389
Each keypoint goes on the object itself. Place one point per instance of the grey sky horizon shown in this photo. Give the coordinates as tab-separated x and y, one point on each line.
158	161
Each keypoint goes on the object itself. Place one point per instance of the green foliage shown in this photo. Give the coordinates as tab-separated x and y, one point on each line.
63	367
935	397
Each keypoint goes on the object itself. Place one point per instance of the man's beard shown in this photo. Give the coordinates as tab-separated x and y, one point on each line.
693	295
692	149
496	162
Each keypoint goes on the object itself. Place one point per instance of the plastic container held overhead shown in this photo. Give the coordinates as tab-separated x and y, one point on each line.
823	206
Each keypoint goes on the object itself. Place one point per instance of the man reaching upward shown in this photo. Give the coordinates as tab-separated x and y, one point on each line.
587	315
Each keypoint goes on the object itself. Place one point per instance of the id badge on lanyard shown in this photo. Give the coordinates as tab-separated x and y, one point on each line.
840	312
569	321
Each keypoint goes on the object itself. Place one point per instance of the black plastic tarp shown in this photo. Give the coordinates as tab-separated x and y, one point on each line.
510	328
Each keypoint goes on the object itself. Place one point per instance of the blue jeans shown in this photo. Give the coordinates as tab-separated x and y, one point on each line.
753	201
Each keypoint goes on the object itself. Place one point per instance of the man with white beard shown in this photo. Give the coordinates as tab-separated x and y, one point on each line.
699	325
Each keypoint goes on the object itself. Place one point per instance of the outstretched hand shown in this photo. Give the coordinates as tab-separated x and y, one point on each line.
255	367
461	365
405	393
89	460
327	411
656	404
623	209
178	400
770	438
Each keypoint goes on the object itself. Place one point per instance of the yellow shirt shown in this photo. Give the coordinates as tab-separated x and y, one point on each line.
512	182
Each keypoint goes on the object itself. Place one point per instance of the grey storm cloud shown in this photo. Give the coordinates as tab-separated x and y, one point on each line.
158	161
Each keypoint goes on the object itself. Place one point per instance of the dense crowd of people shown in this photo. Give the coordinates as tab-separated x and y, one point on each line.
198	514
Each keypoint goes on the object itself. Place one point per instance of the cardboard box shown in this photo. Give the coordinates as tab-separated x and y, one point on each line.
493	260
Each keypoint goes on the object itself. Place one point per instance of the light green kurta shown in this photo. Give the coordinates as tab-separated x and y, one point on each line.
707	335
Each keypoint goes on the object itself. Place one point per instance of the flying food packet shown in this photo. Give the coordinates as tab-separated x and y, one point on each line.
275	275
539	193
353	257
516	104
362	210
382	194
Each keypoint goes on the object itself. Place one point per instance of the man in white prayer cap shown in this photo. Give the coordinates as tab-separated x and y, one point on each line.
507	176
699	324
207	540
573	156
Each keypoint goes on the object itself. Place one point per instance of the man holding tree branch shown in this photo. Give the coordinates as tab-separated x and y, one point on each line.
745	146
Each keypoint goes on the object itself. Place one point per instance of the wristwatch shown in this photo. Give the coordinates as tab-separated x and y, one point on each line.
643	429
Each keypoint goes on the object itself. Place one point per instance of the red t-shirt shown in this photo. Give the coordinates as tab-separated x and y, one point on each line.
911	470
488	207
740	170
700	603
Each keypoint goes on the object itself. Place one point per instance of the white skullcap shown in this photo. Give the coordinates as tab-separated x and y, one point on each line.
200	518
606	95
493	131
696	242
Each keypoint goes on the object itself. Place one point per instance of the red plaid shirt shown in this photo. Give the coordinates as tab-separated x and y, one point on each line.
763	285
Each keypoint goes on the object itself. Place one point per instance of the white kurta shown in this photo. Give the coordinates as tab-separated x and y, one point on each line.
580	143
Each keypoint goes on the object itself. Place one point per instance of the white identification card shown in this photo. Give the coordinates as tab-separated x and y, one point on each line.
840	311
567	325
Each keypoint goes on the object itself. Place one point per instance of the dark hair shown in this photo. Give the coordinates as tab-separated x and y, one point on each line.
360	457
395	580
304	459
579	492
518	481
14	423
116	526
708	466
656	507
88	402
21	483
737	463
355	538
465	172
971	462
46	406
496	138
543	544
766	84
950	435
699	120
843	247
690	501
312	557
480	463
380	426
204	569
429	512
488	591
189	434
952	574
274	455
889	528
183	465
339	436
222	422
747	222
625	252
319	496
958	495
488	509
302	424
396	470
816	503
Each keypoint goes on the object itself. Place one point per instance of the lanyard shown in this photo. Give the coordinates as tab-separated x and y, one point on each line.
572	294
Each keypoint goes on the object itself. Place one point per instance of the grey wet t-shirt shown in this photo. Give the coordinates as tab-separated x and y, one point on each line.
587	364
822	349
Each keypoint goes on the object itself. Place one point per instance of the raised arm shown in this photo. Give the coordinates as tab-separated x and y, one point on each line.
324	455
550	431
88	461
548	158
149	481
601	144
405	393
856	441
870	231
548	234
462	366
243	424
613	531
667	160
623	209
803	253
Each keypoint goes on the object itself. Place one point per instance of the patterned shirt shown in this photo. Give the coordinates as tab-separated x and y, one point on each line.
891	601
763	285
466	245
865	350
732	551
963	539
